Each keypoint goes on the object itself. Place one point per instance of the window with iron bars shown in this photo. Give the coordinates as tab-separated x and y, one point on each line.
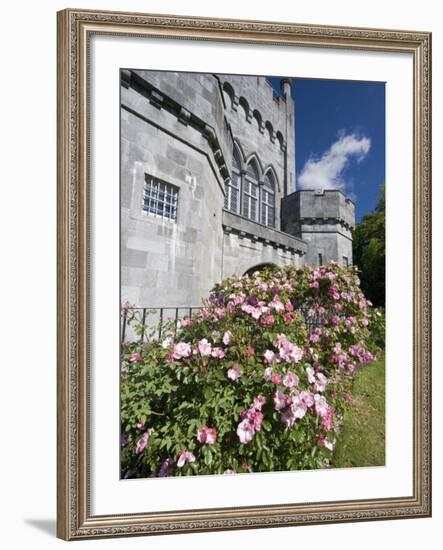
160	198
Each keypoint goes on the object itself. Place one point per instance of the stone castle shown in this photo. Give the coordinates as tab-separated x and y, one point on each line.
208	187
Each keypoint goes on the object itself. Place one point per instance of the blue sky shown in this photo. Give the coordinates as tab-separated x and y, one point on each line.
340	137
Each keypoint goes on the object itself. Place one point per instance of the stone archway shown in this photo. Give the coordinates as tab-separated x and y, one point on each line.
260	267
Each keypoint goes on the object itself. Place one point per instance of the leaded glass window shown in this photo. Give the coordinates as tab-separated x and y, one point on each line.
250	193
232	188
268	201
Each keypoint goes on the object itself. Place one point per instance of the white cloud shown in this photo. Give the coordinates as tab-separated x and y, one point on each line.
326	172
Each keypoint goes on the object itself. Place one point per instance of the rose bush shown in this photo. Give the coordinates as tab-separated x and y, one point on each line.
256	381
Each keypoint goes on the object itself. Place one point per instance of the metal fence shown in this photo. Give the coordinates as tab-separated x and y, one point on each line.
144	324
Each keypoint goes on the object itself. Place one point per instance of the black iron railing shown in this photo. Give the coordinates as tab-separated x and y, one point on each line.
145	324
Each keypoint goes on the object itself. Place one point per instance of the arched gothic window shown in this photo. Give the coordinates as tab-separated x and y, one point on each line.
246	197
268	201
250	207
233	187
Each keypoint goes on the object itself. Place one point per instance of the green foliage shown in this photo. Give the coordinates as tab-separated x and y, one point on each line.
172	389
376	342
369	252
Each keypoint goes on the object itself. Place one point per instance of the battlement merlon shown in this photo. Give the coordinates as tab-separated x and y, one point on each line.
325	220
316	207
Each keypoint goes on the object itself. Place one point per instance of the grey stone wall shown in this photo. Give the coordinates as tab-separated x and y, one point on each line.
167	263
247	245
181	129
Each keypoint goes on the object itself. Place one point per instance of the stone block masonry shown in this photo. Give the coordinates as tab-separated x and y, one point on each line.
208	187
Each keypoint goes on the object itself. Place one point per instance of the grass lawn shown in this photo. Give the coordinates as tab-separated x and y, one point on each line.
362	441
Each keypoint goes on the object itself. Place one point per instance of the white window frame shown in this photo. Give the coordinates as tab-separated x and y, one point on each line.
267	202
233	191
250	184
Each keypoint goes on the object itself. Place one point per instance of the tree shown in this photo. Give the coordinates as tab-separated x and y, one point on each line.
369	252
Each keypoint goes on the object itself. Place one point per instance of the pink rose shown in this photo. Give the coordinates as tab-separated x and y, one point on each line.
218	353
298	407
320	384
289	352
267	374
234	372
204	347
327	418
279	399
289	317
307	397
258	402
245	431
311	375
185	457
182	349
268	320
206	436
141	443
135	357
290	380
166	344
277	305
321	405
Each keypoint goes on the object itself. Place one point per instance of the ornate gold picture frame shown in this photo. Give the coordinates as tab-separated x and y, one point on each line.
75	518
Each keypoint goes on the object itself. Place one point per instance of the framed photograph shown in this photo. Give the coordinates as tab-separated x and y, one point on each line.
244	236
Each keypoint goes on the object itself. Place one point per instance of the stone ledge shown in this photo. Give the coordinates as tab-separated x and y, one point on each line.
244	228
326	221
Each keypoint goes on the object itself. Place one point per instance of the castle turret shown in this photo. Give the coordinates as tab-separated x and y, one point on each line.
325	220
290	167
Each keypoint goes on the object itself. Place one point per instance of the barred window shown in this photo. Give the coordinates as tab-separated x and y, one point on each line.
160	198
250	193
232	188
268	201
